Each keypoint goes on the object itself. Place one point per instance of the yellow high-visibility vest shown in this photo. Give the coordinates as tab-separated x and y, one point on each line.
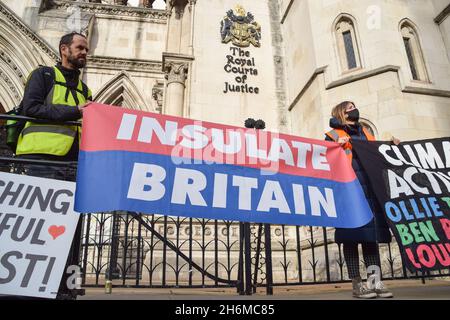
51	139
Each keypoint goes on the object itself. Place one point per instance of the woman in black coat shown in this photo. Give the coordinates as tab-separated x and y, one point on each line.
345	128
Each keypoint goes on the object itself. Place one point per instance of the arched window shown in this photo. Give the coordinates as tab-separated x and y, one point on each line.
369	126
122	92
347	44
413	51
159	4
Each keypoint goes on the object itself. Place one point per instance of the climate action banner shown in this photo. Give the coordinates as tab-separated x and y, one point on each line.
412	184
151	163
37	225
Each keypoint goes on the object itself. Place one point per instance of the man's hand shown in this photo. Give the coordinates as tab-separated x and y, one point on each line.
81	107
343	140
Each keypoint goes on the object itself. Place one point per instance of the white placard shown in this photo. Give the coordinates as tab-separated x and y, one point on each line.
37	225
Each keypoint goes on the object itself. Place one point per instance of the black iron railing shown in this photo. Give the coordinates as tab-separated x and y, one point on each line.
153	251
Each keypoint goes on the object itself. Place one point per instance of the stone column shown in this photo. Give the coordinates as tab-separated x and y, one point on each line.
178	56
192	10
176	67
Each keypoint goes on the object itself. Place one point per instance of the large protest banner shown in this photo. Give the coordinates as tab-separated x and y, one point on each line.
37	225
151	163
412	184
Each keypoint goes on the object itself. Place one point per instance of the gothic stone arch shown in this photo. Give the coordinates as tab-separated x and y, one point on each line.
121	91
21	51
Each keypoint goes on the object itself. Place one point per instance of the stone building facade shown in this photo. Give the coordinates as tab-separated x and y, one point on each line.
392	58
399	72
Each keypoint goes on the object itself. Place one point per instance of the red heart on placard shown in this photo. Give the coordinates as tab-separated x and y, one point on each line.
56	231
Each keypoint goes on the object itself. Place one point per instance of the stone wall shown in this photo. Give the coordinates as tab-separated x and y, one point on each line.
208	100
382	88
126	45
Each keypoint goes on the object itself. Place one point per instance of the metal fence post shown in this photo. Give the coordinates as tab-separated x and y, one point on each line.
240	283
268	248
248	259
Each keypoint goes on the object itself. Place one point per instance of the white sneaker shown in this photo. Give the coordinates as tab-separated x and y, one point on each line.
361	291
382	291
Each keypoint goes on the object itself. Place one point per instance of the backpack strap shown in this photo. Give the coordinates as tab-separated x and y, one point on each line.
85	92
49	77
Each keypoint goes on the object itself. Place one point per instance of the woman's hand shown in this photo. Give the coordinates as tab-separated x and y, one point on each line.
395	141
343	140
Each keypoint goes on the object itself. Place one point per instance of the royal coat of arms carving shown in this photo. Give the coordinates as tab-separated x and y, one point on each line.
240	28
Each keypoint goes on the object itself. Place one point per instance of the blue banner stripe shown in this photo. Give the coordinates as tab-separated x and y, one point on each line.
104	178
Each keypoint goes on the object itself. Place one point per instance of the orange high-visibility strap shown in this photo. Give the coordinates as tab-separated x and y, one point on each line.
368	135
335	134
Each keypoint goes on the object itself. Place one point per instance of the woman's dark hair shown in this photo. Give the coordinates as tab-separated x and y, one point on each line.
67	39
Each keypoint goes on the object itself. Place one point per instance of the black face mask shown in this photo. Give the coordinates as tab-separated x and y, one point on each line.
353	115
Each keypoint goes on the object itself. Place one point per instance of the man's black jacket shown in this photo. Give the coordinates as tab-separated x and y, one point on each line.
38	87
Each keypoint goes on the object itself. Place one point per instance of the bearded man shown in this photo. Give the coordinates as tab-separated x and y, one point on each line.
56	94
53	96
